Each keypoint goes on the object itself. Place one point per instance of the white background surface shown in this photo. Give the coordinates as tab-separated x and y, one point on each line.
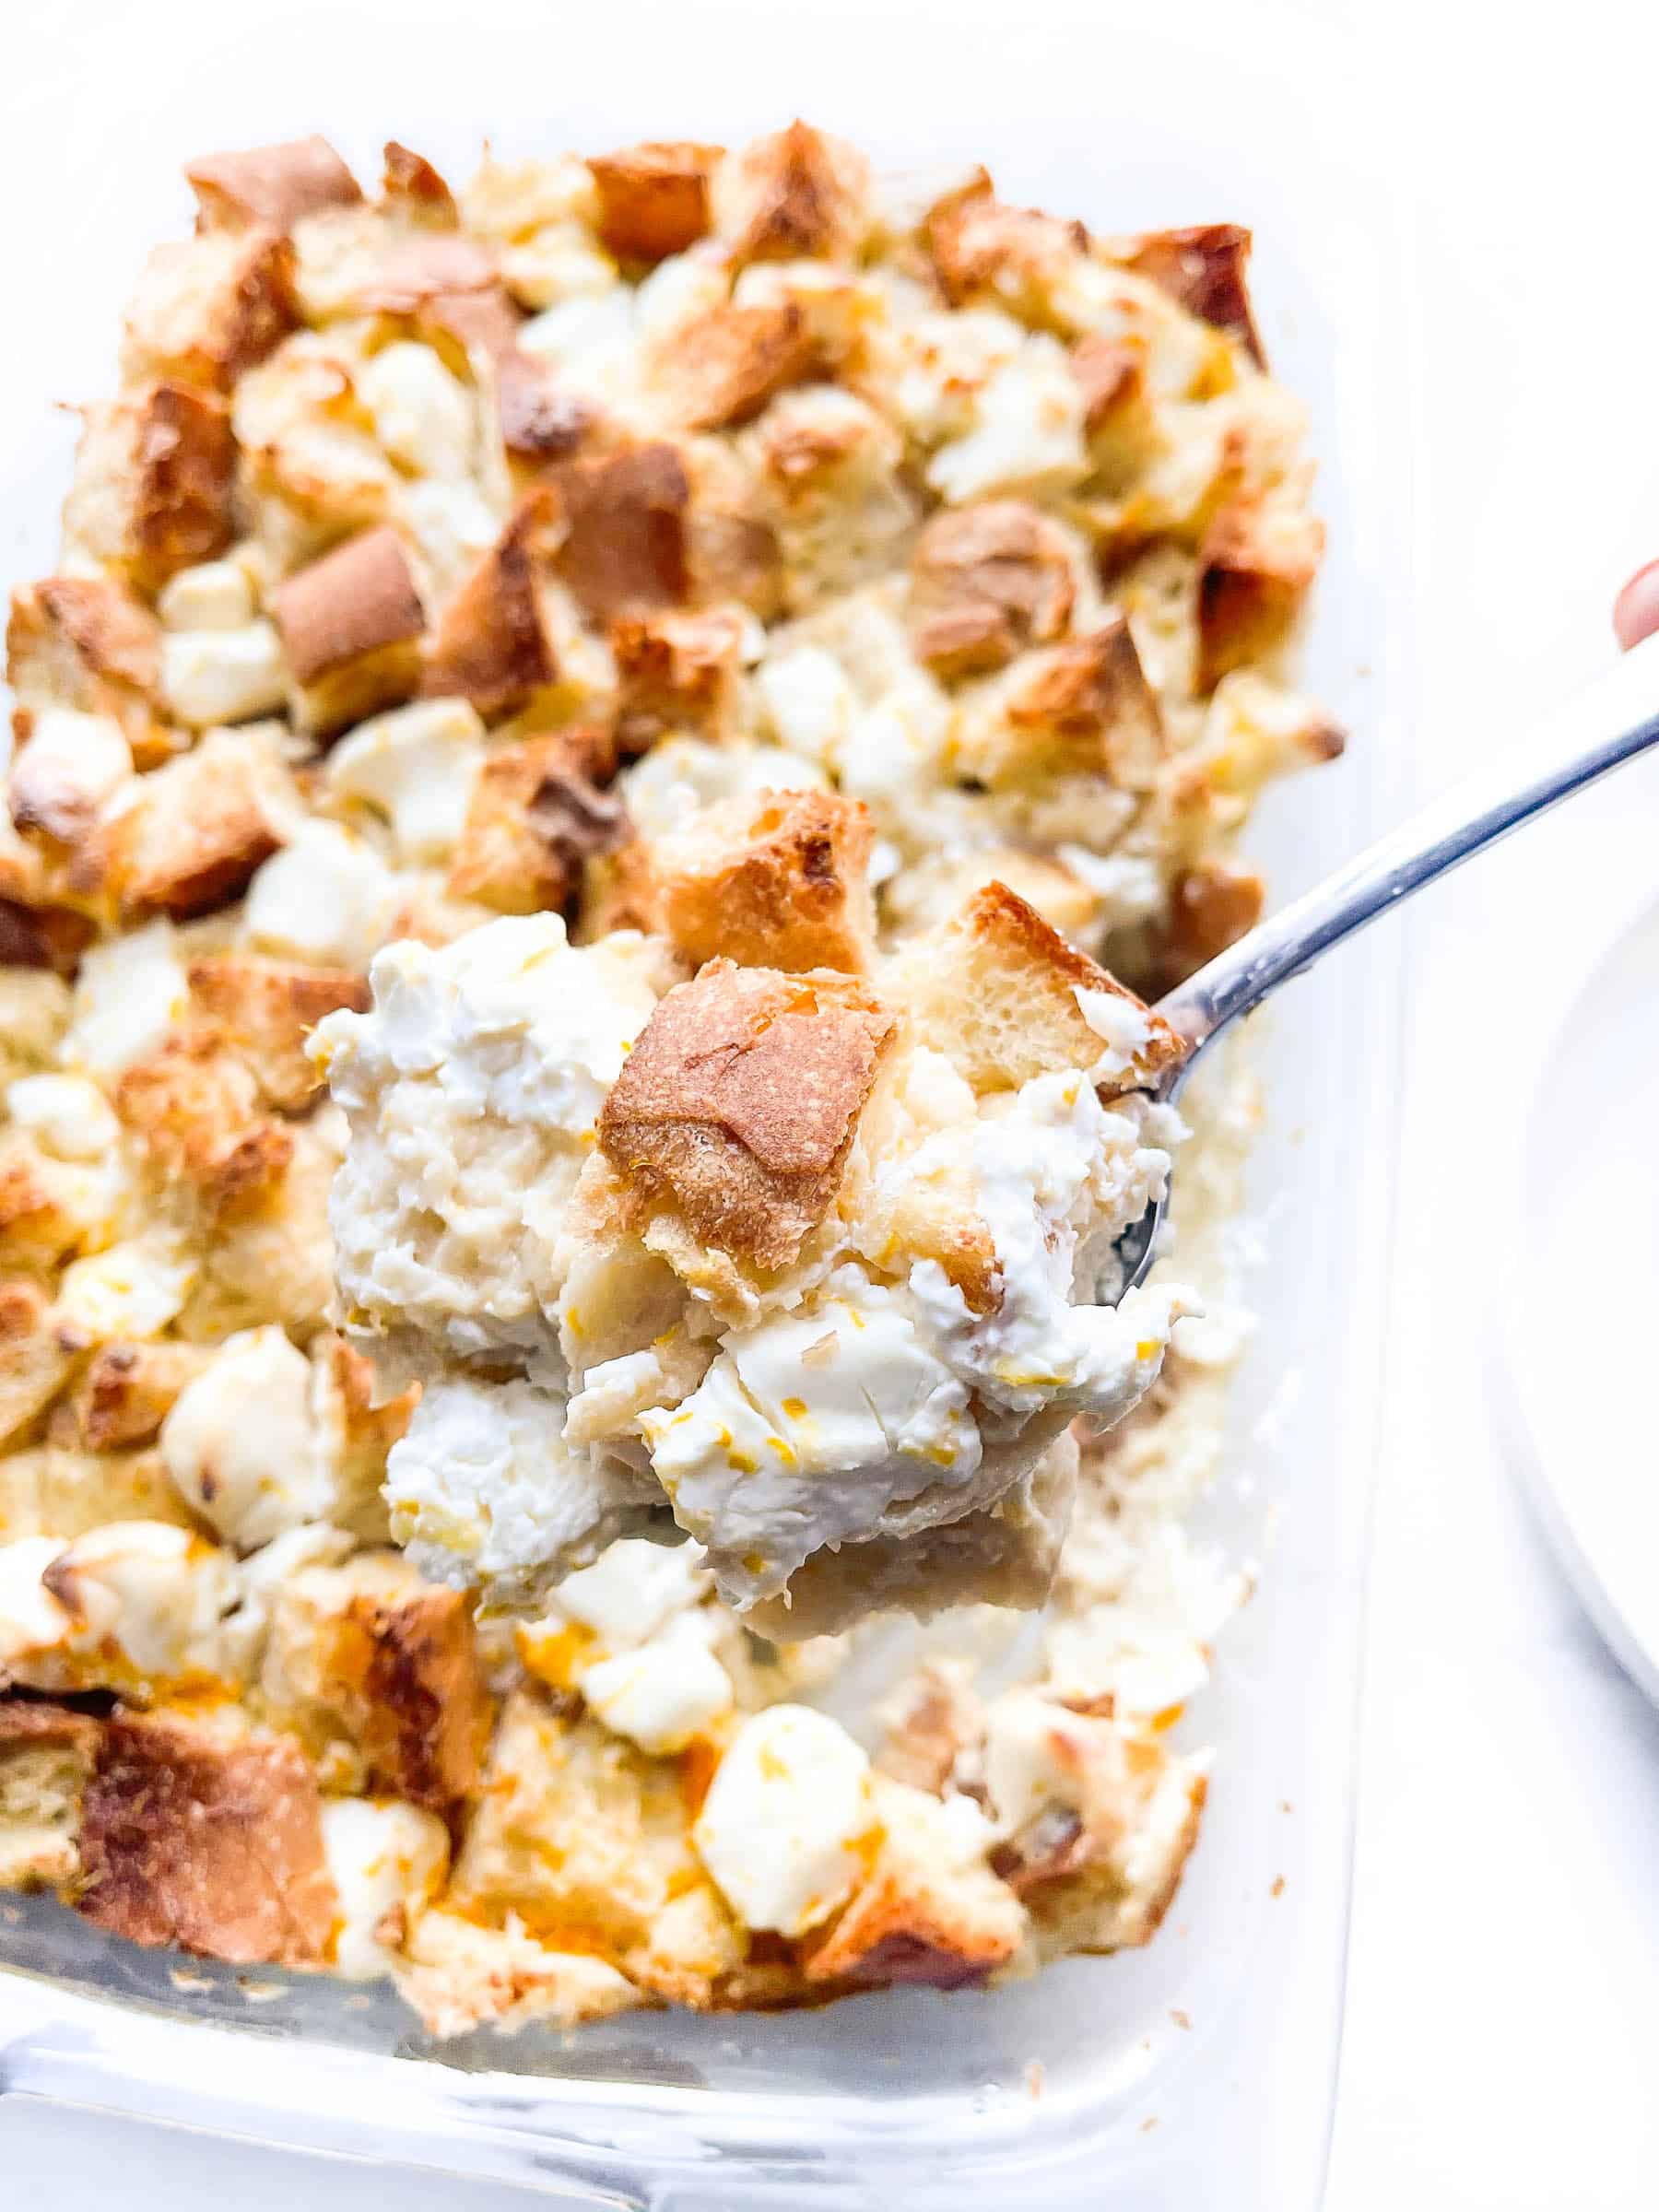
1504	2014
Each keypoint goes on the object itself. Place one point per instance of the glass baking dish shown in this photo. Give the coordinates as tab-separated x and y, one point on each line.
1201	2071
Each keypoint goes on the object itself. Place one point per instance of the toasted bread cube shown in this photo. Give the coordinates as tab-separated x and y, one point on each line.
538	421
653	199
1006	998
1204	267
737	1106
351	625
721	368
207	308
35	1361
493	644
410	184
624	545
1255	566
985	582
370	1651
270	1260
200	827
537	815
780	880
264	1010
1082	708
980	245
931	1721
1212	904
930	1911
270	186
48	1208
86	643
196	1834
153	479
575	1832
128	1390
46	1758
53	1489
458	1976
194	1109
676	672
795	193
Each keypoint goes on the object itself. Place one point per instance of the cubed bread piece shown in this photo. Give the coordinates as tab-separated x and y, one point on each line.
1256	565
351	625
985	582
48	1208
459	1976
493	644
623	546
390	1662
1212	904
35	1359
930	1909
413	187
538	814
539	420
271	1260
980	245
676	672
154	474
199	828
46	1756
197	1834
654	198
794	193
932	1719
40	936
1111	375
128	1390
1081	707
1204	267
263	1011
273	186
737	1106
778	880
208	306
575	1832
71	767
86	643
720	369
194	1109
997	991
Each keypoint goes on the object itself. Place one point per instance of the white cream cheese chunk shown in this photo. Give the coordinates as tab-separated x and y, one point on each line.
240	1446
790	1821
128	995
387	1861
416	766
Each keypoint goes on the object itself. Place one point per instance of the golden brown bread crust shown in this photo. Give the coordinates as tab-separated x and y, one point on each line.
977	242
985	582
1204	267
537	813
1110	373
538	422
737	1106
272	185
207	326
1212	904
654	198
37	1721
995	990
403	1671
191	1836
35	1359
194	1109
778	880
87	642
154	480
623	551
725	365
127	1391
491	646
355	599
1081	707
798	194
425	266
676	672
199	829
410	184
1255	566
263	1011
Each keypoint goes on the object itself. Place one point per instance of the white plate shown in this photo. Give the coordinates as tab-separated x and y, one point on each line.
1582	1296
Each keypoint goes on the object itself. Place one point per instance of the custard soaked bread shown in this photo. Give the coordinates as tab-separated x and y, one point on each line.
667	600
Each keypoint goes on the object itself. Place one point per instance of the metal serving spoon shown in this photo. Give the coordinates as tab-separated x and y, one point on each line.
1611	722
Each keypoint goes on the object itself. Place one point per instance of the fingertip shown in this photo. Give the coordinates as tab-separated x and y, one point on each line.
1636	609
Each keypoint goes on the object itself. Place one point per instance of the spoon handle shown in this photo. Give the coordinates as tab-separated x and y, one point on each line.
1612	721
